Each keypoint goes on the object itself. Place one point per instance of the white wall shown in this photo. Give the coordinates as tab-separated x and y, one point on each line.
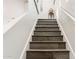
69	5
68	27
13	9
67	24
47	4
15	37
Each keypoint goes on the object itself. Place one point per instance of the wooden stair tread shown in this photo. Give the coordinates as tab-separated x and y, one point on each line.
47	36
46	24
46	19
39	50
47	31
46	27
48	42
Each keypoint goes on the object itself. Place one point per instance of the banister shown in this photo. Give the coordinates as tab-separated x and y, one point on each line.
36	6
69	14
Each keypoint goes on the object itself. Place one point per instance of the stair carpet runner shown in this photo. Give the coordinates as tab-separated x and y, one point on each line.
47	41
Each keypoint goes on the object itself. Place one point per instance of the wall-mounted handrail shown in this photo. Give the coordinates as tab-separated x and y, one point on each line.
54	2
36	6
69	14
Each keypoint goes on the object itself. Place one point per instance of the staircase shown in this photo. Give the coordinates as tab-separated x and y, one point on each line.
47	41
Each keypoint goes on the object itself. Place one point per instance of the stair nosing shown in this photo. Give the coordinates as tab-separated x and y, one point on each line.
47	31
46	27
46	21
49	50
47	36
46	24
47	42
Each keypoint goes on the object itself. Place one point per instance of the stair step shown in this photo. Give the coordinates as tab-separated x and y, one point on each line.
47	54
47	41
47	50
47	22
47	45
47	38
47	33
47	19
50	30
46	26
47	29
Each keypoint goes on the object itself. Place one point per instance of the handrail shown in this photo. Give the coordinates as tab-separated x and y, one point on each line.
36	7
69	14
54	2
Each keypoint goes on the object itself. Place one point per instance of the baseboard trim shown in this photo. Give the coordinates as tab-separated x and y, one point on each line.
28	40
62	30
